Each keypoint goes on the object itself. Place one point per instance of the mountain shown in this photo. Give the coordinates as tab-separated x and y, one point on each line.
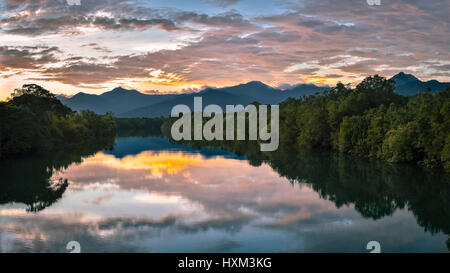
212	96
257	90
407	84
301	90
132	103
118	100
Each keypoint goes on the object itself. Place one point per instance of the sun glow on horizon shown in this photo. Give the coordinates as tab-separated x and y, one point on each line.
156	163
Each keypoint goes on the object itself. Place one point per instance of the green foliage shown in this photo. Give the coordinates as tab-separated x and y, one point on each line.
400	144
35	121
32	89
352	132
18	132
445	157
139	126
374	188
372	121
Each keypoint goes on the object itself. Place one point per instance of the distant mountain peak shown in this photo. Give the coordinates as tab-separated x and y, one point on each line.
408	84
120	92
403	77
255	84
79	94
121	89
132	103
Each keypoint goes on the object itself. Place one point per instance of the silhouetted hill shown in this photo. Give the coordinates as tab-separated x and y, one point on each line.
131	103
211	96
301	90
118	100
257	90
407	84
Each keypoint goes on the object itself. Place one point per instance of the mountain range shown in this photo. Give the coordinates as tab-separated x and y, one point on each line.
132	103
407	84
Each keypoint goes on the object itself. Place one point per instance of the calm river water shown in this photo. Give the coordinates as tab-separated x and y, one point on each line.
148	195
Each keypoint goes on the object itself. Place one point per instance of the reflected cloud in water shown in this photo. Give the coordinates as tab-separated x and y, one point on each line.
181	200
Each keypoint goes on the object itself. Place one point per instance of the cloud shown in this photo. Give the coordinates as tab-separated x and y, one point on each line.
26	57
38	26
320	39
35	18
222	3
151	92
222	20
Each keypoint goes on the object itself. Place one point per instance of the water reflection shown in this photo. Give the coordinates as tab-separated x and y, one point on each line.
148	195
30	180
34	176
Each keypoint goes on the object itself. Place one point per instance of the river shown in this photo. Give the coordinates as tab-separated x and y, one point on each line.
149	195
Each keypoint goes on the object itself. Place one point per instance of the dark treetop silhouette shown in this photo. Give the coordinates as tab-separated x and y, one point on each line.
34	120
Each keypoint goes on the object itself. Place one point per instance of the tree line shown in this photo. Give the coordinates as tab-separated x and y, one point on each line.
139	127
33	120
372	121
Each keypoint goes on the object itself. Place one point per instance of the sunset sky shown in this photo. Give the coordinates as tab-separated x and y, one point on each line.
184	45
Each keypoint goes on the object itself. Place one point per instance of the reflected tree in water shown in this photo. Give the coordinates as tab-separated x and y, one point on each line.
376	189
29	180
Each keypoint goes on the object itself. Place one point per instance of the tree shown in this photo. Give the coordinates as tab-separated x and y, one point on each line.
32	89
34	120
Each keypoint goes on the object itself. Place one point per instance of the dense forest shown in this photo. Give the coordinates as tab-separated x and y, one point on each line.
141	127
33	120
370	120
